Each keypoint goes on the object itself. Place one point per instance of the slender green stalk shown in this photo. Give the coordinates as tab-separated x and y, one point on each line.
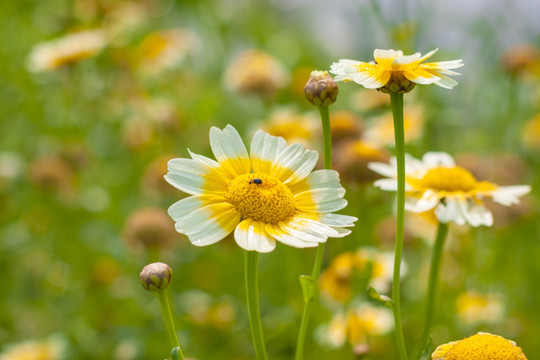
169	323
397	111
310	297
252	294
434	269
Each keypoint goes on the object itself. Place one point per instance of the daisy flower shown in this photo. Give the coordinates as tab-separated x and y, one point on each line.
437	183
270	194
66	50
398	72
482	346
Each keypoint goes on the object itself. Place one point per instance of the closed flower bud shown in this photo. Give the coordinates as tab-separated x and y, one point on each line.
156	276
398	84
321	89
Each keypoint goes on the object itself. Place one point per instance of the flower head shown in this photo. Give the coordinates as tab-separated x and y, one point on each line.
156	276
482	346
52	348
321	89
397	73
455	194
67	50
267	195
476	308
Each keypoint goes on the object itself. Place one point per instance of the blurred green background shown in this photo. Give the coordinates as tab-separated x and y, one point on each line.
83	149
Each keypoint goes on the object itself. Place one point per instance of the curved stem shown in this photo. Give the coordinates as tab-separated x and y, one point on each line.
169	323
309	292
397	111
252	294
434	269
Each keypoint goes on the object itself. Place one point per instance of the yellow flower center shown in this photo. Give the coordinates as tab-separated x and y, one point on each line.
485	347
261	197
449	179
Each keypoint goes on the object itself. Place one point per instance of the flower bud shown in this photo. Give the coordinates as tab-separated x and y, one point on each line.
321	89
398	84
156	276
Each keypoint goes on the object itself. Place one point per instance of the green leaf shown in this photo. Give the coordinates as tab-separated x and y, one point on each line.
308	287
374	294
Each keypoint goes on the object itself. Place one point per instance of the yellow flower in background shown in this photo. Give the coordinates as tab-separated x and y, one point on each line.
66	50
381	129
474	307
356	326
392	64
436	182
270	194
293	126
50	349
336	281
482	346
164	49
255	71
531	133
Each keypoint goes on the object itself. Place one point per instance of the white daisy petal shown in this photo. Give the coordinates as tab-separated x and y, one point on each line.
182	208
251	235
317	179
209	224
427	201
383	169
387	184
296	227
265	149
193	176
475	214
449	211
435	159
405	60
229	150
320	200
294	163
428	55
380	54
509	195
287	239
446	82
338	220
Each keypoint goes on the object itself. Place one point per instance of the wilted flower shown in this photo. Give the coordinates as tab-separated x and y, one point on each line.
52	173
149	229
255	71
482	346
394	72
268	195
356	326
437	183
66	50
474	307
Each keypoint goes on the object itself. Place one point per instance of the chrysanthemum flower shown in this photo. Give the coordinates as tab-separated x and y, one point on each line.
401	69
270	194
437	183
482	346
477	308
52	348
66	50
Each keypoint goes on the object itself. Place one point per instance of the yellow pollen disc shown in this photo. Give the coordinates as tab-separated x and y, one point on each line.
261	197
485	347
449	179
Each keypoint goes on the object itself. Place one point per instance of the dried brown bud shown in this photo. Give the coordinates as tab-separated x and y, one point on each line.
321	89
156	276
398	84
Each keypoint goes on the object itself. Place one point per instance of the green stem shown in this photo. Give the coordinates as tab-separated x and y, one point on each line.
252	294
434	269
397	111
309	297
169	323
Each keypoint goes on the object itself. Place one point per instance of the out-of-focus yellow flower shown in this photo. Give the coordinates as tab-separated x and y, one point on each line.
476	308
437	183
345	125
203	309
522	59
66	50
381	130
337	279
396	73
482	346
356	326
164	49
365	100
50	349
531	133
351	158
293	126
255	71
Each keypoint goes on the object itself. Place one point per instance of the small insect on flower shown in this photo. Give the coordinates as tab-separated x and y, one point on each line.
270	194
